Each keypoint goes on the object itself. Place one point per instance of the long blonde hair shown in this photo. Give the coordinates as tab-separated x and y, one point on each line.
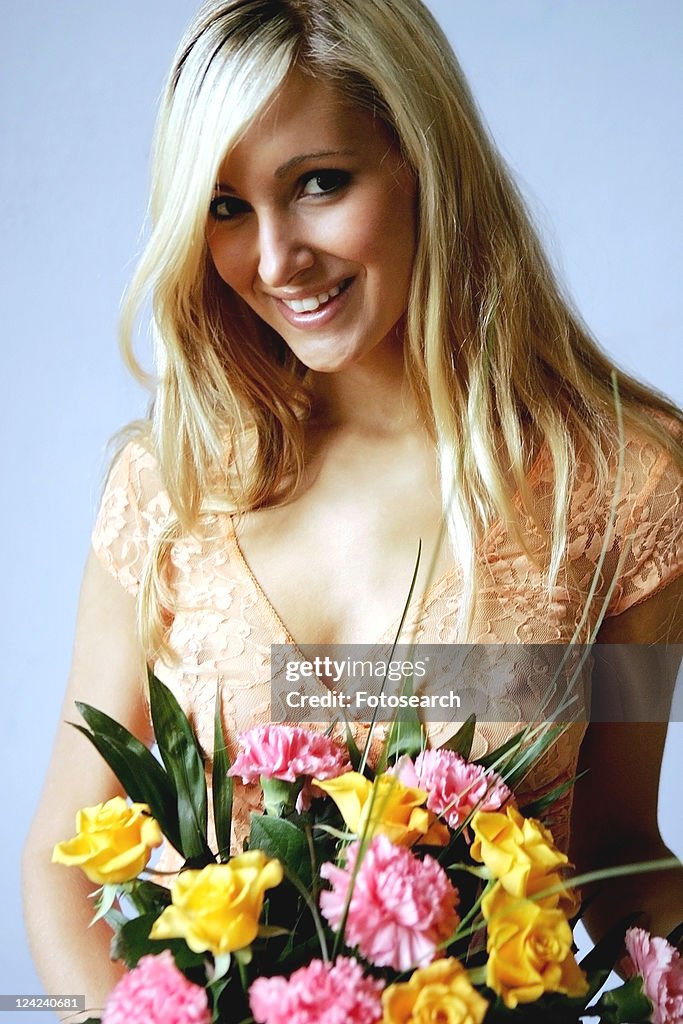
496	359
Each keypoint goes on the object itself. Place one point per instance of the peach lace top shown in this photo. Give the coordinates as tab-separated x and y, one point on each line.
223	623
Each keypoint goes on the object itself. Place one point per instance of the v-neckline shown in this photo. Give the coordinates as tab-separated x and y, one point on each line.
387	636
418	601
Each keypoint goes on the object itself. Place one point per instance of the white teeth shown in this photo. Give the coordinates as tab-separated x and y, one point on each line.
311	304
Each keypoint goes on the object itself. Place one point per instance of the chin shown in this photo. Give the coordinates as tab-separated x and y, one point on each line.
331	356
327	362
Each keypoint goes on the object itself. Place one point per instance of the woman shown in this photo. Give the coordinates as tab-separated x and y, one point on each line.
358	341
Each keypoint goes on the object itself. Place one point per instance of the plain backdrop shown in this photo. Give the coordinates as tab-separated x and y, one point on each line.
583	99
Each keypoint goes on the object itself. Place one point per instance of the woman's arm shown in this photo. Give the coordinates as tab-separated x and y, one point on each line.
615	805
108	672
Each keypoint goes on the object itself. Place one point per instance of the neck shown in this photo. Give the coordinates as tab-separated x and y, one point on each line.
370	398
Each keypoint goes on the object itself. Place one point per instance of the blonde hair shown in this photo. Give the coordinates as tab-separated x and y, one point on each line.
495	357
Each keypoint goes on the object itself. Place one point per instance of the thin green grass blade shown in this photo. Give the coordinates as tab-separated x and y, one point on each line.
522	760
221	785
537	807
489	760
373	721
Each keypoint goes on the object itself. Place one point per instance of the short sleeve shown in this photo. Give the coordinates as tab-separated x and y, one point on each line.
652	536
133	511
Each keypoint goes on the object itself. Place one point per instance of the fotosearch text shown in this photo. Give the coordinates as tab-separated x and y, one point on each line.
362	699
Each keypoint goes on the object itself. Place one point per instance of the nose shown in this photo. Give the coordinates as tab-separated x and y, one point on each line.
283	251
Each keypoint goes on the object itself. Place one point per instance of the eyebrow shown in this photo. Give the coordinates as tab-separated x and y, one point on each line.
289	165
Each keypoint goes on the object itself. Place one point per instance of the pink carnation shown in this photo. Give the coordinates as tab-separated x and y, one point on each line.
401	907
454	786
661	969
318	994
287	752
156	992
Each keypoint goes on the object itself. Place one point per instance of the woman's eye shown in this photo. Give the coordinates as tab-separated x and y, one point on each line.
323	182
227	207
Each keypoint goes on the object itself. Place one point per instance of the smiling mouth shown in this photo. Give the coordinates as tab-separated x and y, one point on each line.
315	302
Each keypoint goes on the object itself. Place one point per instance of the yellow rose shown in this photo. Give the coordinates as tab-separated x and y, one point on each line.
530	950
520	854
114	841
440	992
218	908
394	810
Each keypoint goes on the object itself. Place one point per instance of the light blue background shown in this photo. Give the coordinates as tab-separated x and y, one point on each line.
583	98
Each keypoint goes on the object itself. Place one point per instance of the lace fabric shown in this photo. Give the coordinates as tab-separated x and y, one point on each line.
222	625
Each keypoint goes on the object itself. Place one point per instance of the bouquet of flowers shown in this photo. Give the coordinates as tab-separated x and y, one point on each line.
406	889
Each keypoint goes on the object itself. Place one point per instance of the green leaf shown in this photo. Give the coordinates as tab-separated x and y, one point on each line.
627	1004
105	901
297	952
470	869
477	975
536	807
148	897
282	839
143	757
490	759
406	735
143	778
183	760
221	785
406	738
272	931
354	752
224	1009
461	742
522	759
133	941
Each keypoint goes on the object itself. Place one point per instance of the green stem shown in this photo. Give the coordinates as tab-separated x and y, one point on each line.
304	893
474	910
644	867
315	885
477	975
243	975
373	720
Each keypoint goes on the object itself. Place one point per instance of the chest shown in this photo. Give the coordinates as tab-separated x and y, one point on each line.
340	571
335	566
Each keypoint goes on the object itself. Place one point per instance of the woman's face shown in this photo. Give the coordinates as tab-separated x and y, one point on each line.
313	225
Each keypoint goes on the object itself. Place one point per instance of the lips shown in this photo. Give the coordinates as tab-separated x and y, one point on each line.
310	304
315	310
